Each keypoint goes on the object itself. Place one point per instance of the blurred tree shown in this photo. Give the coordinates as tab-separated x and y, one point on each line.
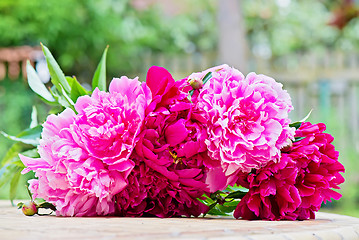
78	31
280	27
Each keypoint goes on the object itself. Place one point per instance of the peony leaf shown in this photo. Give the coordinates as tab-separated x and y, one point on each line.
6	172
216	211
297	139
207	77
231	203
14	185
76	89
29	136
34	121
99	78
47	205
236	195
297	124
228	208
57	76
28	153
210	207
11	153
37	85
235	188
62	98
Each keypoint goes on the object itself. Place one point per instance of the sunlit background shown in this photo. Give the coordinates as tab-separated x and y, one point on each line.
312	47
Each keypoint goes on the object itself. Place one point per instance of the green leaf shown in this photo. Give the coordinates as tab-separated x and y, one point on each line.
237	194
190	94
217	212
33	153
29	136
231	203
212	205
207	77
62	98
76	89
99	78
210	208
47	205
14	150
14	185
297	124
227	208
236	188
31	133
12	154
19	205
34	121
37	85
56	110
19	163
6	173
68	99
297	139
57	76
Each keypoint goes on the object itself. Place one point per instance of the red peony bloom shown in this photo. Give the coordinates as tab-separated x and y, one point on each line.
296	186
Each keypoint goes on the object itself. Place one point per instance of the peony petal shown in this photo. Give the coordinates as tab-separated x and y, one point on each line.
158	80
176	133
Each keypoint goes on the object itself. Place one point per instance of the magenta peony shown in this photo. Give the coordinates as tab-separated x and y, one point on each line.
152	193
296	186
84	158
169	173
247	121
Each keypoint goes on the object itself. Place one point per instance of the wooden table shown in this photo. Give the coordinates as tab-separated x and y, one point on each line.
14	225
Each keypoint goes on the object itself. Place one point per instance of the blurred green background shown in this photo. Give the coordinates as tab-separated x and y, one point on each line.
312	47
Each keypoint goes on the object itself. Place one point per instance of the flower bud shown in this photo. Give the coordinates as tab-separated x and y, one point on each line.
196	83
288	147
29	208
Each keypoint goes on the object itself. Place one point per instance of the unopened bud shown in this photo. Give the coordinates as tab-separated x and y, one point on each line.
288	147
29	208
196	83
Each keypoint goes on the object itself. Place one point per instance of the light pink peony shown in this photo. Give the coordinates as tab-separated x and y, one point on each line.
84	158
247	123
296	186
169	173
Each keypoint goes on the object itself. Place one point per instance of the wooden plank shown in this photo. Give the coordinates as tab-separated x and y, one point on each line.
14	225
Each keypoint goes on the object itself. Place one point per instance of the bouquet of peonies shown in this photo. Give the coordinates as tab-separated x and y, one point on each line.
212	143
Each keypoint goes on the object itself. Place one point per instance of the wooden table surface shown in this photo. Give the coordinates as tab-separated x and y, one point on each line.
14	225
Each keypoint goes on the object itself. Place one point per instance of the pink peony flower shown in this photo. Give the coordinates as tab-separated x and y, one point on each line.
296	186
247	121
170	154
84	158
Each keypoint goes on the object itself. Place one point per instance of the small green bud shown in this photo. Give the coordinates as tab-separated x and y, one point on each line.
288	147
29	208
196	83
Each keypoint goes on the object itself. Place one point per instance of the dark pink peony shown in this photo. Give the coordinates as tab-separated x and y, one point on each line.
152	193
84	158
169	154
247	121
296	186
